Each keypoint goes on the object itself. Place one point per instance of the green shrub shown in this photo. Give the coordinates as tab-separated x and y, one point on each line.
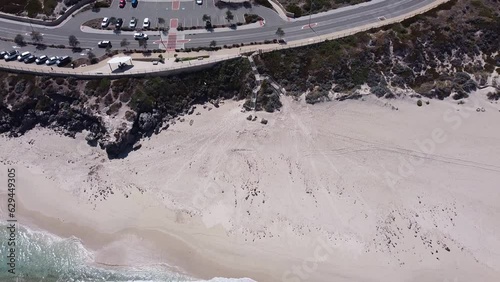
33	8
49	6
264	3
296	10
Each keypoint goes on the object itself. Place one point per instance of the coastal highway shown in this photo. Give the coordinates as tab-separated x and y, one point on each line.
320	24
189	13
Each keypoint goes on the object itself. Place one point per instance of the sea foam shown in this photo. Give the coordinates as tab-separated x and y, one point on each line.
42	256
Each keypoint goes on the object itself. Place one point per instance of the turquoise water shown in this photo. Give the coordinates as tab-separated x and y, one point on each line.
48	258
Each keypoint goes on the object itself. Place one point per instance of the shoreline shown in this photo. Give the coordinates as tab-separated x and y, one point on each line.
223	196
109	246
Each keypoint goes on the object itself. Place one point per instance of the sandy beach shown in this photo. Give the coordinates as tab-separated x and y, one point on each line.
366	190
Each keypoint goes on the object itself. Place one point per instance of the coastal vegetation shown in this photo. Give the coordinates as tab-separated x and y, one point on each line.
425	54
307	7
69	105
32	8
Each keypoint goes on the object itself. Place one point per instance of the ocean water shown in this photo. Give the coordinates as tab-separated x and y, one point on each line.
41	256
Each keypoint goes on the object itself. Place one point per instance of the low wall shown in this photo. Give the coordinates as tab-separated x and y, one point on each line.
67	72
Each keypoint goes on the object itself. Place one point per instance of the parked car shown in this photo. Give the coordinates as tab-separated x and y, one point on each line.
11	55
119	23
104	44
23	56
199	2
146	23
63	61
134	3
133	23
122	3
51	61
30	59
41	60
105	22
3	53
140	35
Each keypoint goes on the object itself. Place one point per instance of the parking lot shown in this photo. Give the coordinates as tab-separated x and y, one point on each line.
185	13
188	13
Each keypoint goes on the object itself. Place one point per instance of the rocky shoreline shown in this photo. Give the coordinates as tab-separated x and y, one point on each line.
114	114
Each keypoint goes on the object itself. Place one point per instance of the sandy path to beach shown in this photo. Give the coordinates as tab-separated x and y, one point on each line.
341	191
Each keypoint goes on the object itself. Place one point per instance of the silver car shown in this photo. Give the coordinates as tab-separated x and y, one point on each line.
11	55
133	23
51	61
41	60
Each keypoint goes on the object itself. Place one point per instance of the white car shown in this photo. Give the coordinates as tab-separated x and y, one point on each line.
146	23
41	60
23	56
139	36
105	22
51	61
133	23
199	2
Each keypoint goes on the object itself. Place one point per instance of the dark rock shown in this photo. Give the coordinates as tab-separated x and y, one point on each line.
146	122
20	86
92	139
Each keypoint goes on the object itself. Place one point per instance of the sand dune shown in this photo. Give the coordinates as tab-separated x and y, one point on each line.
341	191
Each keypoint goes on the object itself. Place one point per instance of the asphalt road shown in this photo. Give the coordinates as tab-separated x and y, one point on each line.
189	13
323	24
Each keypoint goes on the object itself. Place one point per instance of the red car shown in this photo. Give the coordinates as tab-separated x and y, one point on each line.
122	3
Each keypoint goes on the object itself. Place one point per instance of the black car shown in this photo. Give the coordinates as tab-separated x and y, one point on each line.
2	54
30	59
104	44
119	23
63	61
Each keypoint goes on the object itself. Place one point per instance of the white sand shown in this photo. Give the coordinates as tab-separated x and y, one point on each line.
333	192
